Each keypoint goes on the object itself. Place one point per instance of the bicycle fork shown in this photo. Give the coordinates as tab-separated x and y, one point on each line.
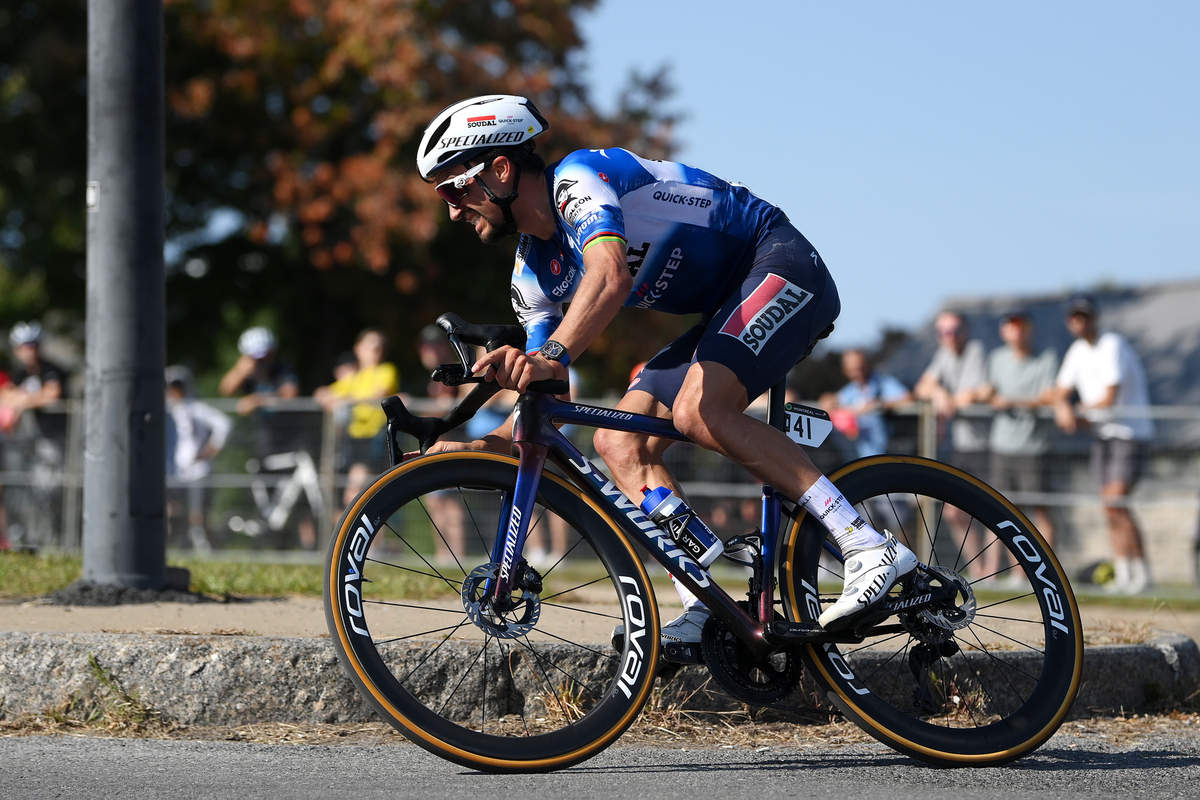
514	518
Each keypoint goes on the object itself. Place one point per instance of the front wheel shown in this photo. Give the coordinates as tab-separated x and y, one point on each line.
532	685
980	681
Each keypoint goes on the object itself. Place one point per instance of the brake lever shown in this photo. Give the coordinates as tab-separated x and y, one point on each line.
453	375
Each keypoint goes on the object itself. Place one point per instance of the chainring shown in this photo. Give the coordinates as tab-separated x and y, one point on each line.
510	623
749	679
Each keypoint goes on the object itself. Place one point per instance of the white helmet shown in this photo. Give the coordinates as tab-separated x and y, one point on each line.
256	342
25	333
470	127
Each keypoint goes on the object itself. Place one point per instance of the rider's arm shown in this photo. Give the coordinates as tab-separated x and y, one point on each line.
605	285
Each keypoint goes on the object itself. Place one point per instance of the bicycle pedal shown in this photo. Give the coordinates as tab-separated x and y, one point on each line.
682	653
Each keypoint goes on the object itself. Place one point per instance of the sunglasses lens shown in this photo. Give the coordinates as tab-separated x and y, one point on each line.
452	194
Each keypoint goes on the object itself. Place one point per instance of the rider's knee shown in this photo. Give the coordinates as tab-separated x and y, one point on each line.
619	448
693	417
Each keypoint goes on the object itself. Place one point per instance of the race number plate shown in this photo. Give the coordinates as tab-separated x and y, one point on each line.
807	426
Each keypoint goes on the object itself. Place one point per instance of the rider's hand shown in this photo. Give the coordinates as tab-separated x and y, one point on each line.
478	444
515	370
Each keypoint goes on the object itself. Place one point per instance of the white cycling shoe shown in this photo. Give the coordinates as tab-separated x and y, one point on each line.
870	575
686	629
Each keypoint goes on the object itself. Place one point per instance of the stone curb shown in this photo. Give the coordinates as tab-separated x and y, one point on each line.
233	680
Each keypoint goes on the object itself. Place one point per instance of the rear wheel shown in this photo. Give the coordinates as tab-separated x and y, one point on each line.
534	687
987	678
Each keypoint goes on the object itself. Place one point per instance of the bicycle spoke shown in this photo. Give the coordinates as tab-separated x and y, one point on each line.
1024	645
440	576
403	568
417	635
437	529
933	557
547	686
474	523
409	605
1004	674
600	653
1002	602
582	611
574	588
466	672
429	655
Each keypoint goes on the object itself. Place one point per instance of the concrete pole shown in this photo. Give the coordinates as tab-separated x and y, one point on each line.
124	534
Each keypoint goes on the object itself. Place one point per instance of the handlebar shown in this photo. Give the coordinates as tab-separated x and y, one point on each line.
427	430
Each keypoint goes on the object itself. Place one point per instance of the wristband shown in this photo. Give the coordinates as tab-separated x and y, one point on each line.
553	351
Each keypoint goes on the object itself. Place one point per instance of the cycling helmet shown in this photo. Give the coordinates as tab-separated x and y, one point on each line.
470	127
25	333
256	342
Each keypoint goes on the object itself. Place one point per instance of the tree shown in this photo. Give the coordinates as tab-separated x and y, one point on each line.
43	153
305	115
296	123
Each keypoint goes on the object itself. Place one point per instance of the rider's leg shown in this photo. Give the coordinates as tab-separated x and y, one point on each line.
709	411
635	461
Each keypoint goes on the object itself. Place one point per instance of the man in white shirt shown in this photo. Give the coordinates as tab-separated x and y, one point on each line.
196	432
1104	372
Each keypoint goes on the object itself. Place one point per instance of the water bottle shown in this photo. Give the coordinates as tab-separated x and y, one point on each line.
671	514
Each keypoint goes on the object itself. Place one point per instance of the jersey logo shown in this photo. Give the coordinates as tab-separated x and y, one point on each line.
771	304
602	176
562	194
555	267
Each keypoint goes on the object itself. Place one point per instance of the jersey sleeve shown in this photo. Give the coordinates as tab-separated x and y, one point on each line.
538	313
586	200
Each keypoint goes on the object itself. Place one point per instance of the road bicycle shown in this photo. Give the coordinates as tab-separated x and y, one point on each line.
276	507
488	662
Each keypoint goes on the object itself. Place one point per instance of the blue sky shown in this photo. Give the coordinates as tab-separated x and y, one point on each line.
932	150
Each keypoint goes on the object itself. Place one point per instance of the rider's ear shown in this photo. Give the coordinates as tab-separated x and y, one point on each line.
502	168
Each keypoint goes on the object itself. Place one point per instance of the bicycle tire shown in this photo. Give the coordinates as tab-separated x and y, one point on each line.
1017	669
539	701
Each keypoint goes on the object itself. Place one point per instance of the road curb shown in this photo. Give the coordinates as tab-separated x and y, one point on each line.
232	680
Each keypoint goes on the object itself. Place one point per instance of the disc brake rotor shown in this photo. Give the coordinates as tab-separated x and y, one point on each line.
513	622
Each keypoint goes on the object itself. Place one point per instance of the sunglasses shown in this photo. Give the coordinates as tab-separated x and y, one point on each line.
453	190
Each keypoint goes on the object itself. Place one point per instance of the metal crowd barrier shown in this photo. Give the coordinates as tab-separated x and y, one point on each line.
278	483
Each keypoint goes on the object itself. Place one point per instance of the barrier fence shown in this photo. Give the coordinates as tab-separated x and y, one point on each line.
279	483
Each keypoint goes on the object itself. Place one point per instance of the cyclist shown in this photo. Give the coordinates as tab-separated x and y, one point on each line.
602	229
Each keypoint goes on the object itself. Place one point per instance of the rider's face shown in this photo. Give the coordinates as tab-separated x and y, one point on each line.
475	208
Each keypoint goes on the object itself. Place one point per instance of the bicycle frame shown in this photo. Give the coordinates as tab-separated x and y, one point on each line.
536	439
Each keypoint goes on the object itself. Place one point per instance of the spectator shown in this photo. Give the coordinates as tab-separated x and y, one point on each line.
1019	382
364	448
196	432
35	440
864	399
952	382
34	383
261	380
1104	372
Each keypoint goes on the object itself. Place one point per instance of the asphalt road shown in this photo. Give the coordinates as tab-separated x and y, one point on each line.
37	767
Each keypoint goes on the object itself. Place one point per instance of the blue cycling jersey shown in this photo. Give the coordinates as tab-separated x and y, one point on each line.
688	235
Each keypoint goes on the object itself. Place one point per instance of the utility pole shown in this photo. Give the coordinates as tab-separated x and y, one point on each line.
124	533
